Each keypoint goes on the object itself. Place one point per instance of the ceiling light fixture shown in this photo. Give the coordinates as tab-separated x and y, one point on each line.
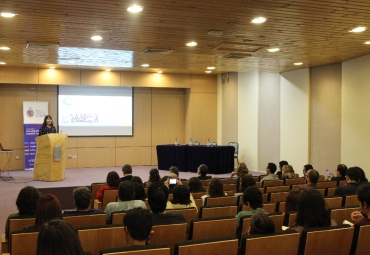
191	44
273	49
298	63
258	20
96	38
2	63
159	72
135	8
358	29
51	67
211	68
367	42
7	14
145	65
4	48
208	71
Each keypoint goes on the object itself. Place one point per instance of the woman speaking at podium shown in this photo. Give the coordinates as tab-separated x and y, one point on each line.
47	127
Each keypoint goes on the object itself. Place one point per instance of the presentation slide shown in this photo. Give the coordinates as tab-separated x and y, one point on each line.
95	111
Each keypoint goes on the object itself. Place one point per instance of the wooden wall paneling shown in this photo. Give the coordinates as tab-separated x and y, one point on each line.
203	83
49	94
97	142
100	78
71	162
20	75
60	76
154	156
96	157
14	164
72	142
133	156
187	118
155	80
142	135
167	116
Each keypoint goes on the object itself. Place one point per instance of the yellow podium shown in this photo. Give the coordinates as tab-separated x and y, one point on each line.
50	158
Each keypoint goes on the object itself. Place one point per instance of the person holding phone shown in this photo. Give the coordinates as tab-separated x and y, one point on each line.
181	198
341	173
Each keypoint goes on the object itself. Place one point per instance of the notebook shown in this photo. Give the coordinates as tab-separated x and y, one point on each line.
2	148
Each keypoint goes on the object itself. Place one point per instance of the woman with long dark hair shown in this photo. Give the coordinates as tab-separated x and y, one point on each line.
47	127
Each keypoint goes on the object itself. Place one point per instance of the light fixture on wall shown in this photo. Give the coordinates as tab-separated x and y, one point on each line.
224	78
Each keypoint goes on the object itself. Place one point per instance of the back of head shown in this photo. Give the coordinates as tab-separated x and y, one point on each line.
291	201
252	196
312	210
157	196
127	169
246	181
139	223
271	167
154	175
137	179
113	179
308	167
27	200
342	168
363	194
48	208
203	170
313	175
57	237
242	168
126	191
181	195
82	197
216	188
195	185
288	171
261	223
139	191
175	170
354	174
283	163
363	178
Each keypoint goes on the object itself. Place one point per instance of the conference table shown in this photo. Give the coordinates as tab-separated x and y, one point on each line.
219	159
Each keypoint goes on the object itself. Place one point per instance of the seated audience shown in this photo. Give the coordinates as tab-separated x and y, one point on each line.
171	186
252	198
202	172
311	180
154	175
137	179
215	189
175	170
48	208
341	174
181	198
287	172
57	237
270	171
306	168
113	181
82	199
246	181
157	199
26	203
127	173
312	211
261	224
138	224
363	195
291	201
241	170
281	164
363	179
139	191
353	176
195	185
126	194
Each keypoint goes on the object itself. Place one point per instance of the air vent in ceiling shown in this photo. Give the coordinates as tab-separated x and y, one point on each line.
42	45
237	56
156	51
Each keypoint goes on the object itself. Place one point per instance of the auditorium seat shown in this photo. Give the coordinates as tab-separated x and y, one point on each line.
242	230
217	211
271	189
23	242
360	242
85	220
212	227
228	181
161	249
109	195
189	213
229	200
333	202
326	184
294	181
15	224
95	187
277	196
214	246
272	183
198	194
351	200
169	234
343	213
117	217
289	218
269	207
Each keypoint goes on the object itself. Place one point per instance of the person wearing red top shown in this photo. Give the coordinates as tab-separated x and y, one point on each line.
113	182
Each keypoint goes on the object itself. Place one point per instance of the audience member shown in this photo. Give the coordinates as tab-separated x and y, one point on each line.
241	170
181	198
312	211
341	174
288	173
113	181
139	191
126	194
270	171
291	201
252	198
311	180
82	199
363	178
47	209
57	237
195	185
353	176
281	164
137	179
154	175
363	195
246	181
26	203
175	170
171	186
127	173
261	224
306	168
215	189
157	199
138	223
202	172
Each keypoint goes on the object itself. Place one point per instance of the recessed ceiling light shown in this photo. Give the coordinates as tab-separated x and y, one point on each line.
96	38
358	29
298	63
191	44
7	14
208	71
145	65
211	68
135	8
159	72
2	63
368	42
273	49
51	67
4	48
258	20
107	70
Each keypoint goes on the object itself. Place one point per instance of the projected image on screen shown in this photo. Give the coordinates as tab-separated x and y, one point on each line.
95	111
